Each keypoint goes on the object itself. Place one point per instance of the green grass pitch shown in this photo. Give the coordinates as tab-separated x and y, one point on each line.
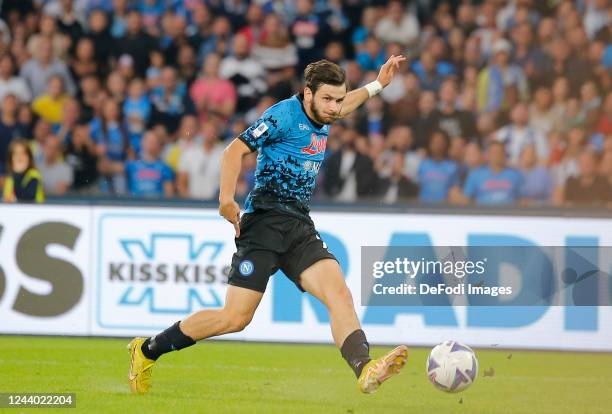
237	377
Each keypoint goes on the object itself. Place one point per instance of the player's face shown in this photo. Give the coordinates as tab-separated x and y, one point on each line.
327	102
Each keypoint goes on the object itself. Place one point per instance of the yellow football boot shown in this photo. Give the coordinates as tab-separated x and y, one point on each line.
381	369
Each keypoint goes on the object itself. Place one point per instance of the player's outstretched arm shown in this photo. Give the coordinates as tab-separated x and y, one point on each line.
231	164
355	98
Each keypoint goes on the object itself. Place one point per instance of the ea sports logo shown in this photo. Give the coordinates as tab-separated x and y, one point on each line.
246	268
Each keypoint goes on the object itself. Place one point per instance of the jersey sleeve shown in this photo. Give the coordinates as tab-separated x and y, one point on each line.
265	130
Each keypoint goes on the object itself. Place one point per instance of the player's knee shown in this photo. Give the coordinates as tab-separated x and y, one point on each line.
236	322
341	297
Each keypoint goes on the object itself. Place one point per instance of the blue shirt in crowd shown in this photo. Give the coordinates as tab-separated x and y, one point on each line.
113	137
489	188
436	178
147	178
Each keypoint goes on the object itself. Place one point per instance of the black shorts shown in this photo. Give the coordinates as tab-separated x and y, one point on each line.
270	241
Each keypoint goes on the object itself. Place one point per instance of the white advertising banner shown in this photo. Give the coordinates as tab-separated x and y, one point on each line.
143	269
44	276
156	266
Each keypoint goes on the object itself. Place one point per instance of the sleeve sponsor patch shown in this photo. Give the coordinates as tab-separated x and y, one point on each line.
261	128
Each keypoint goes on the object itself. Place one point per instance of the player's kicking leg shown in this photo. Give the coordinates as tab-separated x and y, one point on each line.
324	280
240	305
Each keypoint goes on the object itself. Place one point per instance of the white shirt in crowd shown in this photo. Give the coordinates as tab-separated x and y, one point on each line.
55	174
247	74
203	169
15	86
515	138
405	33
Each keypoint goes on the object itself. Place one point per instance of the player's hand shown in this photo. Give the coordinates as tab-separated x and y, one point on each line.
389	69
230	210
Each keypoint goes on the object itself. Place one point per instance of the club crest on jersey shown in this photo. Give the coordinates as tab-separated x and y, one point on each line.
303	127
317	145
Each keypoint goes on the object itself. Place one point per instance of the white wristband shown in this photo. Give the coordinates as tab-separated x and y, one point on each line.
374	88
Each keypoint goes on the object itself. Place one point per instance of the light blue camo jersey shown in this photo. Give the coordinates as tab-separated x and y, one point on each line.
291	149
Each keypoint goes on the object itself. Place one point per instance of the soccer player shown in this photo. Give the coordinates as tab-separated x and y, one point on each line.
276	231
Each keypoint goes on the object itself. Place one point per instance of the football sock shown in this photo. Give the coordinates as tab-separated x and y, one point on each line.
172	339
356	351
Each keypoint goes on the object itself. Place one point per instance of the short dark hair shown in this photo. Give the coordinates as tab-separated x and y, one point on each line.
323	72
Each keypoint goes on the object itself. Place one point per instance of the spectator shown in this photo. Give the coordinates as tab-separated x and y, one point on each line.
495	183
369	18
430	72
99	33
423	124
137	112
37	71
118	27
50	106
218	41
254	22
57	176
456	153
149	176
11	84
9	128
537	181
84	62
447	117
136	43
81	156
212	95
500	75
530	56
397	186
541	113
372	55
48	29
170	100
274	50
71	116
68	21
472	160
560	93
438	175
310	33
588	188
246	73
373	120
42	129
590	102
596	17
398	25
187	135
604	123
187	63
112	147
200	166
518	134
348	173
23	182
116	86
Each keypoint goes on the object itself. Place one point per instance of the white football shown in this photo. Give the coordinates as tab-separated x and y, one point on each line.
452	366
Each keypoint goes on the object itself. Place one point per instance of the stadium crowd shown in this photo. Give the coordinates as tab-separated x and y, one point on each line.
502	102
